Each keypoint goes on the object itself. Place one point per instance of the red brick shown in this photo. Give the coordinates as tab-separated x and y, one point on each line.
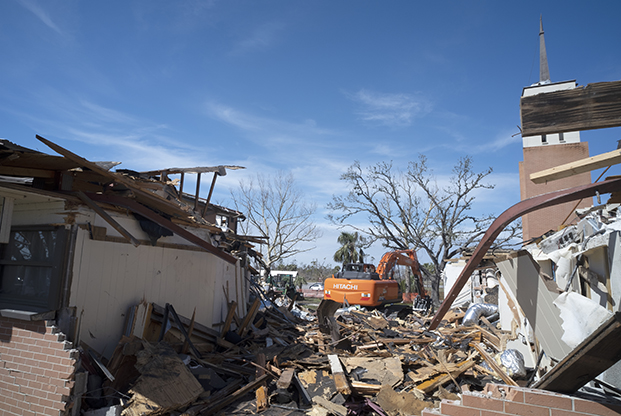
23	368
490	413
594	408
35	385
63	391
42	344
40	357
16	410
515	394
451	409
522	409
38	409
548	400
473	400
561	412
34	348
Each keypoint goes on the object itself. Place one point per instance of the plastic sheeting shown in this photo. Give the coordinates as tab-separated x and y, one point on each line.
581	316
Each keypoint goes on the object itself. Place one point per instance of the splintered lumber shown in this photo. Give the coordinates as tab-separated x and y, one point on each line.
249	317
285	378
106	217
595	106
261	392
220	404
492	363
365	388
186	344
441	379
598	352
229	318
333	408
340	380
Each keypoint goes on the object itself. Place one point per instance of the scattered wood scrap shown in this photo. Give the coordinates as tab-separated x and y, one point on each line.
273	362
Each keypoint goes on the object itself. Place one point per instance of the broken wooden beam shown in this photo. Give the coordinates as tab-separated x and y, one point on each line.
594	106
229	319
249	317
220	404
598	352
106	217
579	166
285	378
338	374
492	363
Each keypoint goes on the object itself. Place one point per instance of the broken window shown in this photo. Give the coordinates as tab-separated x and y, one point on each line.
31	268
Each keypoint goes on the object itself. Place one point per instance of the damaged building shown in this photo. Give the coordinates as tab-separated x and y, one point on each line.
81	245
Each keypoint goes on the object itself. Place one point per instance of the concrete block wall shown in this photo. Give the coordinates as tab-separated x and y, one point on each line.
498	400
36	368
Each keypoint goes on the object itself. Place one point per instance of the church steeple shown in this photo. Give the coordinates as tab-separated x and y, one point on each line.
544	71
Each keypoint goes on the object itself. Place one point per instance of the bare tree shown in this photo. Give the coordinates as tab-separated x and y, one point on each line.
276	210
410	210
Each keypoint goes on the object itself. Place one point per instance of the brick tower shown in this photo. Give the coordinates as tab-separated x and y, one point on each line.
548	151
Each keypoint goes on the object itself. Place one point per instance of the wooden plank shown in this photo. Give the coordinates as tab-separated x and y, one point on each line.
106	217
229	319
595	106
597	353
186	344
579	166
285	378
442	379
249	317
340	380
492	363
215	407
27	172
261	392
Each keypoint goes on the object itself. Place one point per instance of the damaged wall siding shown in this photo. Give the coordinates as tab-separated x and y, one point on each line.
36	367
536	301
109	278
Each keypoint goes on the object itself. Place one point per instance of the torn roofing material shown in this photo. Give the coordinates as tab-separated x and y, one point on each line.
72	176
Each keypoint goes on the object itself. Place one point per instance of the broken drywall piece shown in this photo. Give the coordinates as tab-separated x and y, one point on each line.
165	383
404	403
383	370
581	316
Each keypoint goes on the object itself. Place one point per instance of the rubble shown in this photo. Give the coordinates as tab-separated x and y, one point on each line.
281	364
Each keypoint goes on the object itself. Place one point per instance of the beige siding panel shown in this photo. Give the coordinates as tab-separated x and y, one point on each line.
111	277
523	280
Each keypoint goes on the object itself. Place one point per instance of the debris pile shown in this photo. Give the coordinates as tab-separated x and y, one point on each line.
278	364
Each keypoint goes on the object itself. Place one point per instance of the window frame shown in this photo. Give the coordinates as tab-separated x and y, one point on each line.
58	266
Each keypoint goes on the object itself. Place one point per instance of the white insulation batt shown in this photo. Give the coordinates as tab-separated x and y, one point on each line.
581	316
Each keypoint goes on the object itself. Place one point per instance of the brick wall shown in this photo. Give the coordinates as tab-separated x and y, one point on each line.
497	400
36	368
543	157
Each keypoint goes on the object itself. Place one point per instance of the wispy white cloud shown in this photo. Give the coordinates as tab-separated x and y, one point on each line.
262	37
40	13
264	130
390	109
501	141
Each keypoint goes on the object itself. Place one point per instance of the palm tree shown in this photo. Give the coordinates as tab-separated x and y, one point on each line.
350	252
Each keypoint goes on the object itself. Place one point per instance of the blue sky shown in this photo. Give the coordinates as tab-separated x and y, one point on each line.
301	86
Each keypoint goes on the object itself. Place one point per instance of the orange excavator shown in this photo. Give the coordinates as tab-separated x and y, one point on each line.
362	284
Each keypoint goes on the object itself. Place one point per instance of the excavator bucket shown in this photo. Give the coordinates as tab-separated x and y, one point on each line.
325	314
